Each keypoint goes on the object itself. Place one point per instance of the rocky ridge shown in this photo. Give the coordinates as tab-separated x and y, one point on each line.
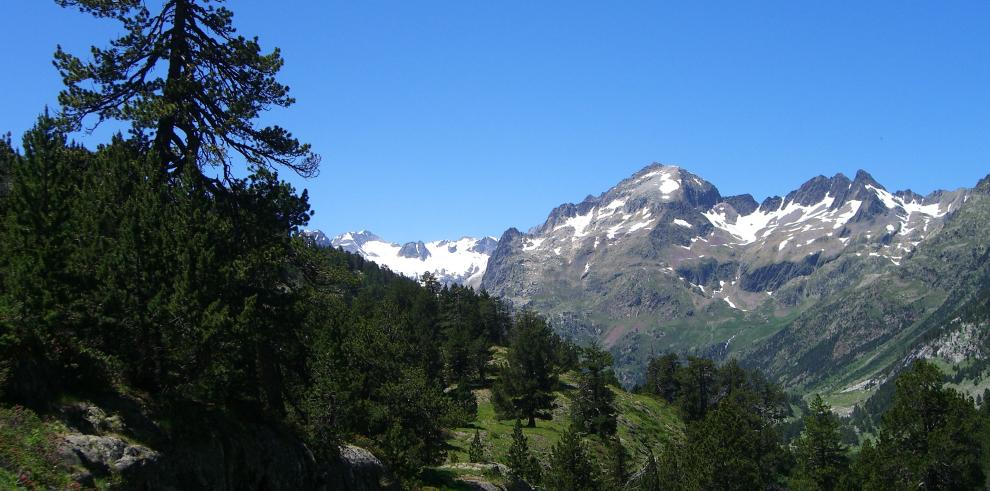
663	262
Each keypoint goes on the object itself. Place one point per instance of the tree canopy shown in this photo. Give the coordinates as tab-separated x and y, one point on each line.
184	78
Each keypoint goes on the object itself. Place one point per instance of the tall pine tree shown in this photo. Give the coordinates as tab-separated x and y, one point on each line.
821	457
929	438
525	386
523	466
183	76
593	410
571	469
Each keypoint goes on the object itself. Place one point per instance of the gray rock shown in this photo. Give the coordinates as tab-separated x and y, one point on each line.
415	250
104	454
359	470
744	204
484	245
89	418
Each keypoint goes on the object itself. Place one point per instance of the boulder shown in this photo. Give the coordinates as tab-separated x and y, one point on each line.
105	454
359	470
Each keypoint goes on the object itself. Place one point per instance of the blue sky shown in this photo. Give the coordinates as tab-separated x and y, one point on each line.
438	119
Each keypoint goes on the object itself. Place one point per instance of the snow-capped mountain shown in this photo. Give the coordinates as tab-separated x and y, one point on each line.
667	220
661	260
461	261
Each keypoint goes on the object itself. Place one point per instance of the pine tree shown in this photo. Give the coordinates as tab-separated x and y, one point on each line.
697	388
522	465
477	451
733	447
594	410
531	375
617	470
570	468
929	438
7	156
37	234
661	376
184	77
821	457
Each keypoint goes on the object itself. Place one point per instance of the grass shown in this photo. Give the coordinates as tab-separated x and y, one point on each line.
644	423
28	458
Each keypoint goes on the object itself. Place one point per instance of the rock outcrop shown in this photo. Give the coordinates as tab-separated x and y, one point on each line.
214	452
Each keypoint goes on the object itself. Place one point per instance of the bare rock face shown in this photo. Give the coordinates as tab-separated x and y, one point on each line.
209	452
416	250
360	470
105	454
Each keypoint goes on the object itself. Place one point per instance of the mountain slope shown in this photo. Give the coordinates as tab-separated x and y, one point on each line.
663	262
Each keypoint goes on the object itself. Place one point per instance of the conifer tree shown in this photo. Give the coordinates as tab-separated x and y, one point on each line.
594	410
184	77
661	376
523	466
697	388
37	234
477	451
526	384
617	466
7	156
821	457
929	438
570	467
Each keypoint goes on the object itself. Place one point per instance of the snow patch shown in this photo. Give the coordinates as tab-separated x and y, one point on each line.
532	244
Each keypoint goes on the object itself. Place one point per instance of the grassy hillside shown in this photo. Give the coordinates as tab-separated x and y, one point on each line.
644	423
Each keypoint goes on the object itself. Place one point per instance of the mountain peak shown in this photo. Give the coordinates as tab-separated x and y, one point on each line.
460	261
864	178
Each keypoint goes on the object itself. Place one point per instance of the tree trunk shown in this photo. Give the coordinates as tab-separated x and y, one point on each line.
176	60
271	381
532	421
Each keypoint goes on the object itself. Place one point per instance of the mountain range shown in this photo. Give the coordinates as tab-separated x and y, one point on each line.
829	287
461	261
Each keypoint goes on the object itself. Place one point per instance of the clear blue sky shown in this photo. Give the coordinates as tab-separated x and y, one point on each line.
437	119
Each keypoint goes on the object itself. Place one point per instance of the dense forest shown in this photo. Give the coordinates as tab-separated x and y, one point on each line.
148	273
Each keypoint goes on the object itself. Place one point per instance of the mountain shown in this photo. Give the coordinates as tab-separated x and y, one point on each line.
663	262
461	261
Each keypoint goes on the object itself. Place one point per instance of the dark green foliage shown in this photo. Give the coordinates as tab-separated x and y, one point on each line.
525	386
661	376
731	442
205	298
821	457
570	467
697	382
175	289
648	478
617	464
593	409
477	451
39	302
929	438
733	447
467	339
184	77
374	359
699	385
523	466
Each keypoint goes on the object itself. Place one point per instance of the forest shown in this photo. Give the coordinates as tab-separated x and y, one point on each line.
165	270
